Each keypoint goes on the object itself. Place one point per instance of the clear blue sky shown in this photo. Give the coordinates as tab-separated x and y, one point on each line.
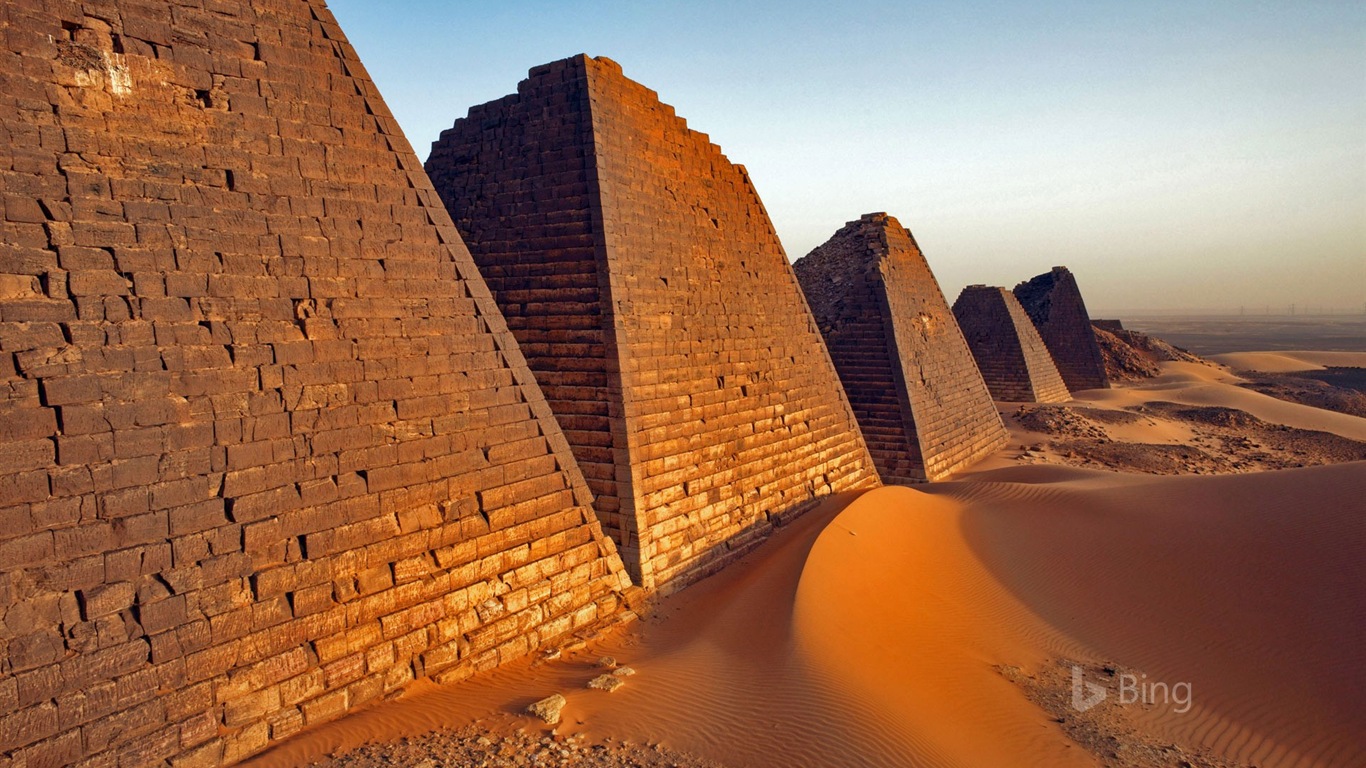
1175	155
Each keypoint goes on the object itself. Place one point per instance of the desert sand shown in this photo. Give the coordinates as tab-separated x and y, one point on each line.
939	626
1203	385
1285	362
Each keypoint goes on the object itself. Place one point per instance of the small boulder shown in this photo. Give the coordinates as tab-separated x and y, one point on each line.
623	671
548	709
607	683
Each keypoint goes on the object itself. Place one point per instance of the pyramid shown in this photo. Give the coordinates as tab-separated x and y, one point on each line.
642	277
919	398
1012	358
1053	301
270	451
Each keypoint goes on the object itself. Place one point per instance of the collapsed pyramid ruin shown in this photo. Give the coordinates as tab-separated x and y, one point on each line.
652	298
1013	360
918	396
270	451
1053	301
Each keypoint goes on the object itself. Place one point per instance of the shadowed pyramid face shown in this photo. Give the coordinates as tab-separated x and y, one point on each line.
639	270
920	401
1014	361
1054	303
270	450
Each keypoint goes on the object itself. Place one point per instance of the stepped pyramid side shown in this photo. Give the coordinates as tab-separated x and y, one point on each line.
844	286
524	178
1013	360
270	449
897	345
1053	301
725	410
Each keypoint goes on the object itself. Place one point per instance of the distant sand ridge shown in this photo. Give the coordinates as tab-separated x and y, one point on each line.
1281	362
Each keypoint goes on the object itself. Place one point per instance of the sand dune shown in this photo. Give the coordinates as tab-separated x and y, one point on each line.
1288	362
875	636
1251	588
900	615
1196	384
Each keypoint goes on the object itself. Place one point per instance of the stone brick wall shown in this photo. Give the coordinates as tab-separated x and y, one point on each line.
269	450
533	237
1013	360
725	411
1054	303
917	393
843	284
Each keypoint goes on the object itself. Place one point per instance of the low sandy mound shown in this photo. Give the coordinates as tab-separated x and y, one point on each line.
1167	438
1334	381
1265	362
1197	384
1288	362
1193	419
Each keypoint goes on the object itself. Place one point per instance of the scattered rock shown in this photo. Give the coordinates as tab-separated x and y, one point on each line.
548	709
607	683
477	747
1331	389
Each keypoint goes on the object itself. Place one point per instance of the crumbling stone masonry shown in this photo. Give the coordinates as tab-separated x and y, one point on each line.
1013	360
919	398
1053	301
269	450
650	294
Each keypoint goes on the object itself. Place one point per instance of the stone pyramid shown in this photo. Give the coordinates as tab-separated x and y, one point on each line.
270	451
1053	301
919	398
640	272
1012	358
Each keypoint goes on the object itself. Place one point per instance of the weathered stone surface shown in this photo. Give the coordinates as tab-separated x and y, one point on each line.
639	270
609	683
1053	301
269	449
1013	360
548	709
1133	356
919	398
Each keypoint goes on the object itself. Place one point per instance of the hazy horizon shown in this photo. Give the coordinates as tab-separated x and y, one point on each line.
1178	158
